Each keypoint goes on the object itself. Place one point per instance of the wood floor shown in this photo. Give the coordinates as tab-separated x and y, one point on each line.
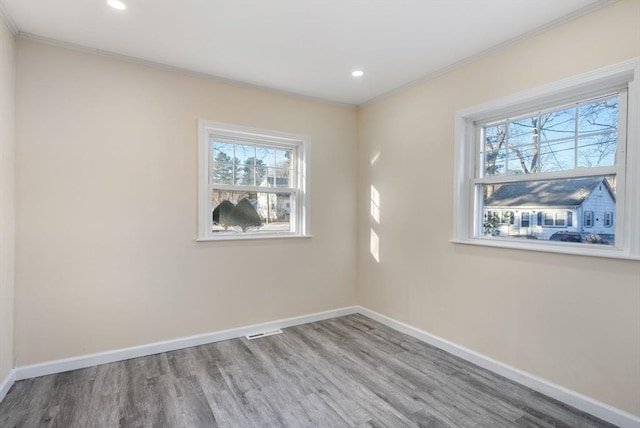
345	372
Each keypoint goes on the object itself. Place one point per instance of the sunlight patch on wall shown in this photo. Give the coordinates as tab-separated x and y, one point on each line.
375	158
375	204
374	246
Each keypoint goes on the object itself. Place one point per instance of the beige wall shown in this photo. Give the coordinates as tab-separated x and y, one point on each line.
7	205
572	320
107	199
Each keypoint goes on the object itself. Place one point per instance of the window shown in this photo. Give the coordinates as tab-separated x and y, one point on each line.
548	219
608	219
252	183
588	219
567	147
555	219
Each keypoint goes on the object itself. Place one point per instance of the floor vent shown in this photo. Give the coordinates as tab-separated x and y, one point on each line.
263	334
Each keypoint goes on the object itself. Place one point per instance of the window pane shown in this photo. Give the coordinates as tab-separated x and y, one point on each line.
267	156
277	177
245	154
522	160
599	150
252	172
494	149
558	125
222	172
542	210
221	151
284	159
251	212
558	156
548	142
601	115
523	131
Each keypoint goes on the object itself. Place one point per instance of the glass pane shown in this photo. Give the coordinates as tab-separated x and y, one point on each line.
568	210
599	150
249	175
523	131
267	156
522	160
558	156
278	177
283	159
494	149
558	125
251	212
245	154
221	151
601	115
222	172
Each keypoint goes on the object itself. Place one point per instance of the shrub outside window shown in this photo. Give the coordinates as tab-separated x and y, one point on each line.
252	183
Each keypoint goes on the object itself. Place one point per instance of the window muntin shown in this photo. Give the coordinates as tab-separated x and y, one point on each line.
254	184
251	164
567	144
561	139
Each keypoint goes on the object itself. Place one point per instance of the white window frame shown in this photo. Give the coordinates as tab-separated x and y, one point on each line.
301	207
581	87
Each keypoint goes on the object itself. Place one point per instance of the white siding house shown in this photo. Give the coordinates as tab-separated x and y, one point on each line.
537	210
274	207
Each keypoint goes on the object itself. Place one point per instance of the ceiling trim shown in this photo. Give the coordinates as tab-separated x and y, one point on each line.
8	20
539	30
180	70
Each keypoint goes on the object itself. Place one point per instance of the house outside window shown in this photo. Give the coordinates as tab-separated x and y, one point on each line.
561	151
253	183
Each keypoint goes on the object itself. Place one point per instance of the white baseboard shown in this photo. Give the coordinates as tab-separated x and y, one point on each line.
58	366
7	383
572	398
567	396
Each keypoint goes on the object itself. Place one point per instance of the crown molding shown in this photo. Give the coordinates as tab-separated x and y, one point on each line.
8	21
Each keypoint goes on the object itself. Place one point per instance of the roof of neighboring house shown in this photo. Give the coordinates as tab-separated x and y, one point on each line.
543	194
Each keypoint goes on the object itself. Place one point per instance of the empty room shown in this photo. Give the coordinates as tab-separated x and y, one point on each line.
319	213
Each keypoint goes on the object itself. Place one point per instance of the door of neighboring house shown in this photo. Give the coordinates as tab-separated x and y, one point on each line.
525	222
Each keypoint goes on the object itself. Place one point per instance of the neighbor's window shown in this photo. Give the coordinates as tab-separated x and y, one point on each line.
559	166
608	219
252	183
588	219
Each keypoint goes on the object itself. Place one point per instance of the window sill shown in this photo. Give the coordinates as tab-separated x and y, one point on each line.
558	248
250	238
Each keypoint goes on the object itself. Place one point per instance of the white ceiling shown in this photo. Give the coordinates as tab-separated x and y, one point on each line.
308	47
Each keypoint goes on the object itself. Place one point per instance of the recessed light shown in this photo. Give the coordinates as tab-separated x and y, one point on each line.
117	4
357	73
